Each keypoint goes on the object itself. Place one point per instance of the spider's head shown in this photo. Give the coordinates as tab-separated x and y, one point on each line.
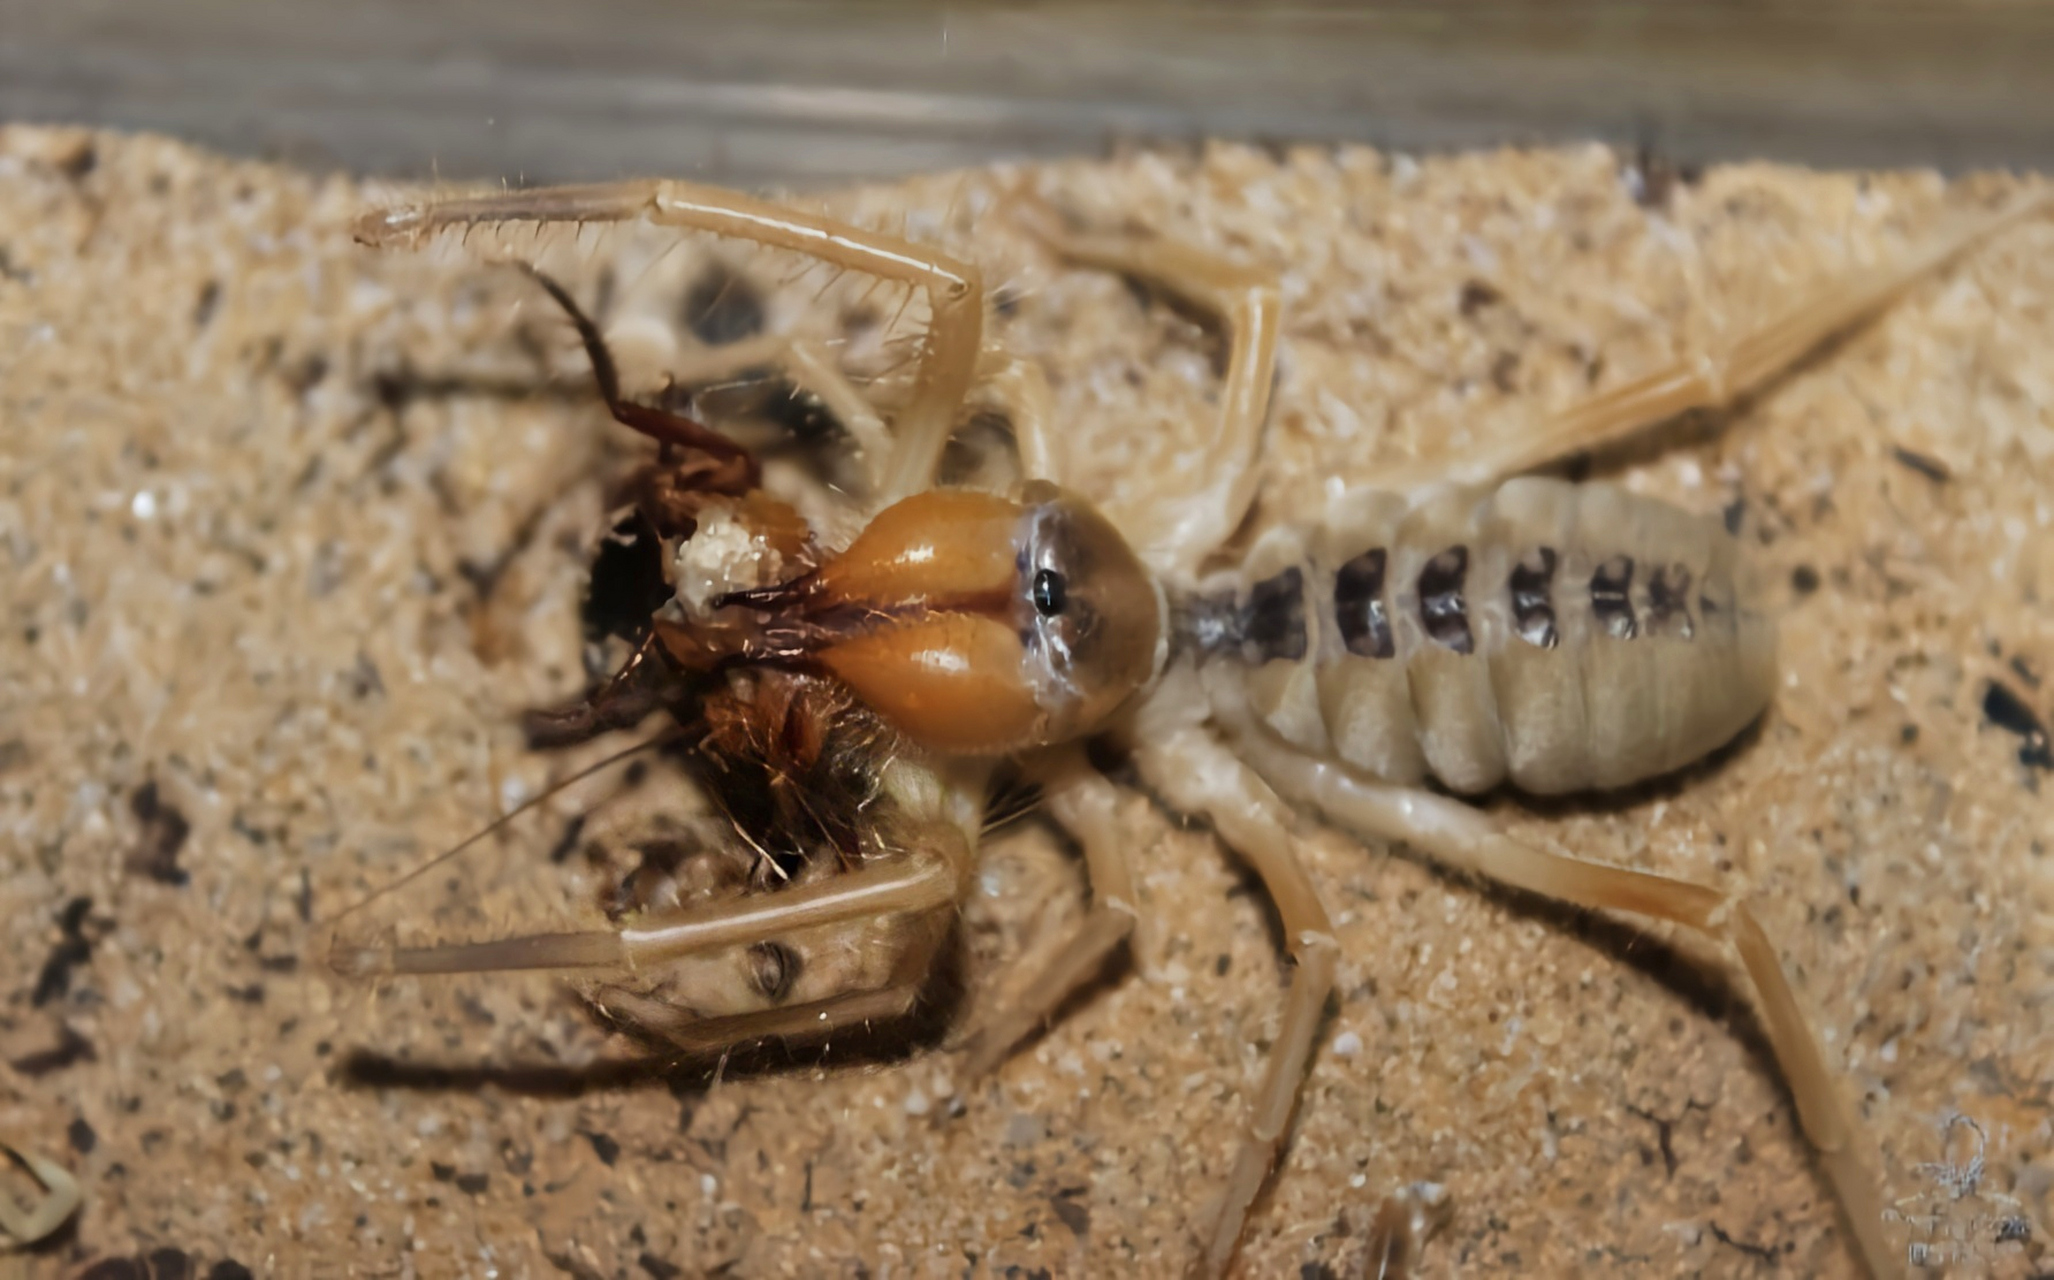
979	624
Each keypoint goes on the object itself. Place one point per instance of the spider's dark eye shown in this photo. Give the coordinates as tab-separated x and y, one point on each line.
1049	593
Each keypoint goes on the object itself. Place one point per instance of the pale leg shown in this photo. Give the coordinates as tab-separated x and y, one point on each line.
1186	528
1084	804
27	1226
702	1037
915	886
1718	377
1019	389
1195	773
1469	840
810	1020
954	289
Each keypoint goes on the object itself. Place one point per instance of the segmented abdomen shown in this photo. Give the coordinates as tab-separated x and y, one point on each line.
1562	637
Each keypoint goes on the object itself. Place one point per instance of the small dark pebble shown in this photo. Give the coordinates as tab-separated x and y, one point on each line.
473	1184
604	1147
1075	1216
228	1269
657	1268
1931	468
115	1269
82	1137
204	305
2007	711
2024	671
1908	734
1734	513
164	832
170	1264
72	950
1804	579
71	1049
1476	295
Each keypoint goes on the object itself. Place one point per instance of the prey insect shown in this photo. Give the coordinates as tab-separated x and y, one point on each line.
1464	624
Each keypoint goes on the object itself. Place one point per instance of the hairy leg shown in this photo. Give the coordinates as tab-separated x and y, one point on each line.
808	1020
1195	772
1080	799
704	1037
915	885
954	289
1469	840
1184	529
1717	378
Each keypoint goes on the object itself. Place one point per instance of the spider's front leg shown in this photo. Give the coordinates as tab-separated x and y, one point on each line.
954	289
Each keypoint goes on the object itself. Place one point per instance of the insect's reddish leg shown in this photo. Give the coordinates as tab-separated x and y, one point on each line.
1717	378
954	289
1467	839
1195	773
737	471
27	1226
1184	529
1084	804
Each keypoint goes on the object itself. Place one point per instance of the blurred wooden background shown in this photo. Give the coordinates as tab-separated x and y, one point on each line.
795	93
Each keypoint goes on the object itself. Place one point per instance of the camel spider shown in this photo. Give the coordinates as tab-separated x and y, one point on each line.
1462	623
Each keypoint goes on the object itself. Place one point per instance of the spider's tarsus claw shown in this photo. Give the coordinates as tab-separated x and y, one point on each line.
381	227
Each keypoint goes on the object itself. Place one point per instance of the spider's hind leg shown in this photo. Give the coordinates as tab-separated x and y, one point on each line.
1715	379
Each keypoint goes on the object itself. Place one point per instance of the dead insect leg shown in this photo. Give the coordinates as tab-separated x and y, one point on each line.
1714	379
1084	804
954	289
28	1226
1187	528
1195	773
912	886
1469	840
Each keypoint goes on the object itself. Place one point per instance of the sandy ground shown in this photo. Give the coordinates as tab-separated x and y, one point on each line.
291	532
